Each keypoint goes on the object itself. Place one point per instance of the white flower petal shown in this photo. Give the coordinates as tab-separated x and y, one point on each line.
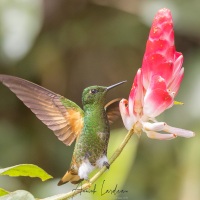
128	120
157	126
179	131
159	136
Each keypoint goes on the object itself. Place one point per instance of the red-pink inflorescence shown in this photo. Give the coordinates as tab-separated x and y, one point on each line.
156	82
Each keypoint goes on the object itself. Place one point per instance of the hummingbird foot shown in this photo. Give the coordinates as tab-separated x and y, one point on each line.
106	164
103	161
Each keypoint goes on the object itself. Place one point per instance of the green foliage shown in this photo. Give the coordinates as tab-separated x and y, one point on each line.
3	192
26	170
22	170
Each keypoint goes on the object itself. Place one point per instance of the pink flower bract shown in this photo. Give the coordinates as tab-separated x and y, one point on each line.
156	83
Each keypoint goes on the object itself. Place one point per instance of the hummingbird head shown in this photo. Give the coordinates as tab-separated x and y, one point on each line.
96	94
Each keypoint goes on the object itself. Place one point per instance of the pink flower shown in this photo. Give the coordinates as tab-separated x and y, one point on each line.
156	83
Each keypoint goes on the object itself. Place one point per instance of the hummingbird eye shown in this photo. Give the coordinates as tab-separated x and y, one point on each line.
93	91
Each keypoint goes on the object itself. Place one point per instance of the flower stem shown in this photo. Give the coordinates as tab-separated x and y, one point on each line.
97	175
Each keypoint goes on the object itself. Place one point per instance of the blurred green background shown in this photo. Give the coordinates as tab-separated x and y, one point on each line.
67	45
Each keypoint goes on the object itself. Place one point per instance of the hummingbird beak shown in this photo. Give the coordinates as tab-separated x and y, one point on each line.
112	86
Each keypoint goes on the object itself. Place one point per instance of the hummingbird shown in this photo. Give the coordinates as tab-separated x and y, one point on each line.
90	126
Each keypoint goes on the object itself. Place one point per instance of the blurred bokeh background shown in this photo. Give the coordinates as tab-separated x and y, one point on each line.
67	45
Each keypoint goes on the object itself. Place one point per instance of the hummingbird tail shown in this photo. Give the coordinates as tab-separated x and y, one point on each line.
70	176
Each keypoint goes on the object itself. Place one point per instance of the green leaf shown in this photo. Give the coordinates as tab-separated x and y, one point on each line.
18	195
3	192
26	170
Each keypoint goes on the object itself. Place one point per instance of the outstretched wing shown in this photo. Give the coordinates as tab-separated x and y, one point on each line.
112	110
61	115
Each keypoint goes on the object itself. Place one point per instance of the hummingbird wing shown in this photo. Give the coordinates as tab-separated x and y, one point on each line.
112	110
62	116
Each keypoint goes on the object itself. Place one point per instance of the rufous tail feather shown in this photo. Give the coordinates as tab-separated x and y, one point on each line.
70	177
